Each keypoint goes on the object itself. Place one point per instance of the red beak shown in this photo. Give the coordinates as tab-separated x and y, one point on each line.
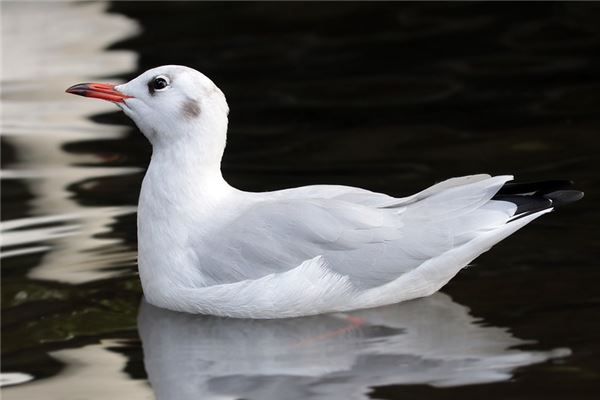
104	91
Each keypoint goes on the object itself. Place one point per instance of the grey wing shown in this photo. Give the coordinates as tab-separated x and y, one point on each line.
369	239
278	235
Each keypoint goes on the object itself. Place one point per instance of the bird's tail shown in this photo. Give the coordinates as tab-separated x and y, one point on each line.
536	196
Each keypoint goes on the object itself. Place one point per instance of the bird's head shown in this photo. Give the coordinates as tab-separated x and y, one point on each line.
170	104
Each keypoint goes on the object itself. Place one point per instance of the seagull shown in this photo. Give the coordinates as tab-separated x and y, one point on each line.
205	247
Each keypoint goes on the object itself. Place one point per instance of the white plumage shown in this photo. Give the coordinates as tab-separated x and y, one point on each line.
205	247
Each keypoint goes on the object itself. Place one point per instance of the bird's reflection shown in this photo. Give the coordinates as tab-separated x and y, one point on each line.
430	341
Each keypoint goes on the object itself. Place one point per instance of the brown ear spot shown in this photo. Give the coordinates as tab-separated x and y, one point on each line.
191	109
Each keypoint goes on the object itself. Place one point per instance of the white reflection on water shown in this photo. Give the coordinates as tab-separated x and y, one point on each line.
432	341
14	378
48	46
92	372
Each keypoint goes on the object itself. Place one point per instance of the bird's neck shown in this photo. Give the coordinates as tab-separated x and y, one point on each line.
190	159
190	152
186	170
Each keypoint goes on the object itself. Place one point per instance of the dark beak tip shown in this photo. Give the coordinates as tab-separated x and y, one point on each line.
103	91
78	89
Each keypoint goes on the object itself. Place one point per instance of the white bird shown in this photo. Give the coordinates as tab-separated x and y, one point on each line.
206	247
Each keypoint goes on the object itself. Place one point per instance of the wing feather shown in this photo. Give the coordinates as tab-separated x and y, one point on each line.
370	242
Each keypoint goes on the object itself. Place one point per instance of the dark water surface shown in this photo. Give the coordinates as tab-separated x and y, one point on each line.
390	97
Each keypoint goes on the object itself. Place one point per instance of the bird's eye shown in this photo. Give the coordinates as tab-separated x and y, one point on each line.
159	83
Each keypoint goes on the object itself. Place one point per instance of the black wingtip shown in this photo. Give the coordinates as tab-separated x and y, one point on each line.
526	204
538	188
537	196
560	198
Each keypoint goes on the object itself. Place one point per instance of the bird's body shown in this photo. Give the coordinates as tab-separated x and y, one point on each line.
206	247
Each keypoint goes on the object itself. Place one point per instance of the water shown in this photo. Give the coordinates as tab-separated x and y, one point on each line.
391	97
